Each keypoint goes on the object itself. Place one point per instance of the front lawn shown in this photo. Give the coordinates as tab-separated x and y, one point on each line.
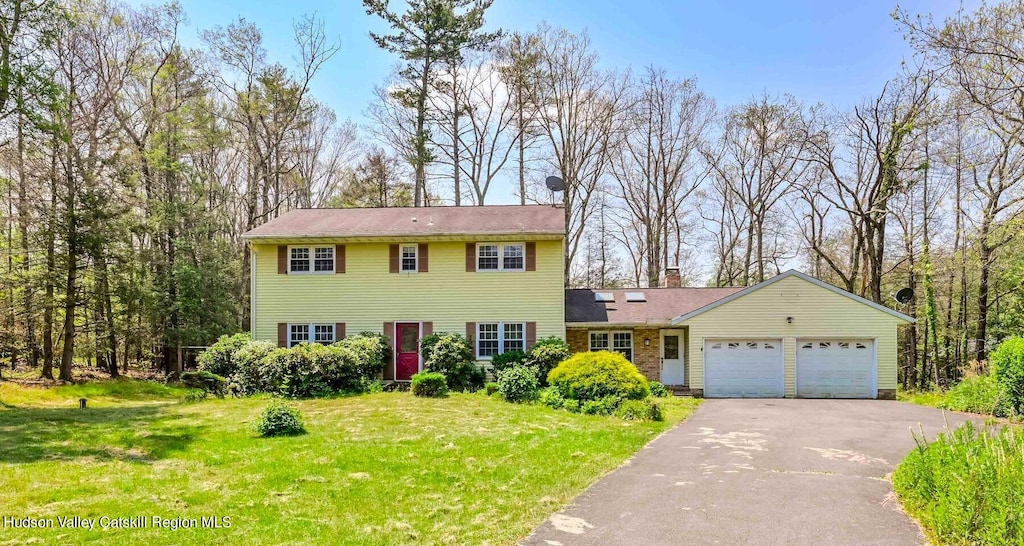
374	469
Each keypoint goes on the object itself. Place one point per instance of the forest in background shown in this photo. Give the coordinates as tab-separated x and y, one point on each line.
130	165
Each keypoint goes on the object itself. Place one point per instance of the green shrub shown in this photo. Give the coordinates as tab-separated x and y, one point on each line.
490	388
249	377
209	382
506	360
552	398
430	384
311	370
658	390
518	384
452	355
427	343
639	410
602	406
966	487
369	386
280	419
977	394
1007	363
598	375
372	352
570	404
219	358
196	395
545	355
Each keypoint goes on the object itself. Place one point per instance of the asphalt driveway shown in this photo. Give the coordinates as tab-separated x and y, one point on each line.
758	472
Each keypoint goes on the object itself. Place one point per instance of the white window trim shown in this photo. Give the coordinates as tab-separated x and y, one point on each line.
311	335
401	259
611	341
501	257
501	337
312	260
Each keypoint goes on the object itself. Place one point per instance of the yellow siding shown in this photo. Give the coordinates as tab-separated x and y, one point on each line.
367	295
816	312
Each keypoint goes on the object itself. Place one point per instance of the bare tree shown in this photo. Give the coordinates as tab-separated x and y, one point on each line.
865	156
519	57
656	168
581	117
759	158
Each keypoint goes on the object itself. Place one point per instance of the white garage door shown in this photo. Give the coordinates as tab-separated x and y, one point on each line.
835	368
744	368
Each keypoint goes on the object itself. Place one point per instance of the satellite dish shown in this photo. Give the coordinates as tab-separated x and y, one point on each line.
904	295
554	183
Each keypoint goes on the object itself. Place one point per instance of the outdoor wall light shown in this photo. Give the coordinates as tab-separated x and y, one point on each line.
789	320
647	342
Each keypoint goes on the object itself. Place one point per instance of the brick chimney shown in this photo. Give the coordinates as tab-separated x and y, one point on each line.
672	279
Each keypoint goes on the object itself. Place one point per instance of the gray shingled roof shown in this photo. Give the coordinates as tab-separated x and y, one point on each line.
421	221
662	305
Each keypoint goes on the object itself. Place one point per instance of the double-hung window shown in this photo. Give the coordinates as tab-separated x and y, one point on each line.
310	333
311	259
323	259
500	257
620	342
409	258
494	338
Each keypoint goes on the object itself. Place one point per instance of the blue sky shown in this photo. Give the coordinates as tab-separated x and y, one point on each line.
833	52
836	52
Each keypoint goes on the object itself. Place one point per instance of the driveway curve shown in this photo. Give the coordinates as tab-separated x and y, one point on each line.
759	472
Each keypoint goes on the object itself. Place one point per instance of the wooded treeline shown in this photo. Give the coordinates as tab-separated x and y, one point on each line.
131	164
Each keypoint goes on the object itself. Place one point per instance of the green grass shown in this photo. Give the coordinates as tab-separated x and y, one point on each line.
99	393
967	487
385	468
926	398
973	394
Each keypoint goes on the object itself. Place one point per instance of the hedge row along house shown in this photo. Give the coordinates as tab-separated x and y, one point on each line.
496	273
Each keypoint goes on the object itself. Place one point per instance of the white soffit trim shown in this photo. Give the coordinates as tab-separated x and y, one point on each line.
784	275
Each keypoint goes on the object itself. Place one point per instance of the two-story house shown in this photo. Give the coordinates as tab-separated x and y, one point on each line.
496	273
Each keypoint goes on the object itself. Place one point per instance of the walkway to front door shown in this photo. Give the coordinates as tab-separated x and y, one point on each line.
407	358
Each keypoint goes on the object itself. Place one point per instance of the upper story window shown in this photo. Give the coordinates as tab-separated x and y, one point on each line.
310	333
324	259
512	257
311	259
500	257
409	258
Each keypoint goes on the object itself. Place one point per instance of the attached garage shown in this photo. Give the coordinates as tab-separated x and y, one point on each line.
794	336
836	368
742	368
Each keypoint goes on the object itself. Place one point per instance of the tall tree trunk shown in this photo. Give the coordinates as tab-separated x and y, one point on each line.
522	145
911	375
985	255
29	287
71	288
51	265
106	313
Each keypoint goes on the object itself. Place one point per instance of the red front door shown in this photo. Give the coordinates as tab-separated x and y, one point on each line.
407	359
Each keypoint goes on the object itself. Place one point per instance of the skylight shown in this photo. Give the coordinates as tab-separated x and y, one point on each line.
636	297
604	296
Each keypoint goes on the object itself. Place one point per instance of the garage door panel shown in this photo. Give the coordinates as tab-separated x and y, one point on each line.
834	368
743	368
